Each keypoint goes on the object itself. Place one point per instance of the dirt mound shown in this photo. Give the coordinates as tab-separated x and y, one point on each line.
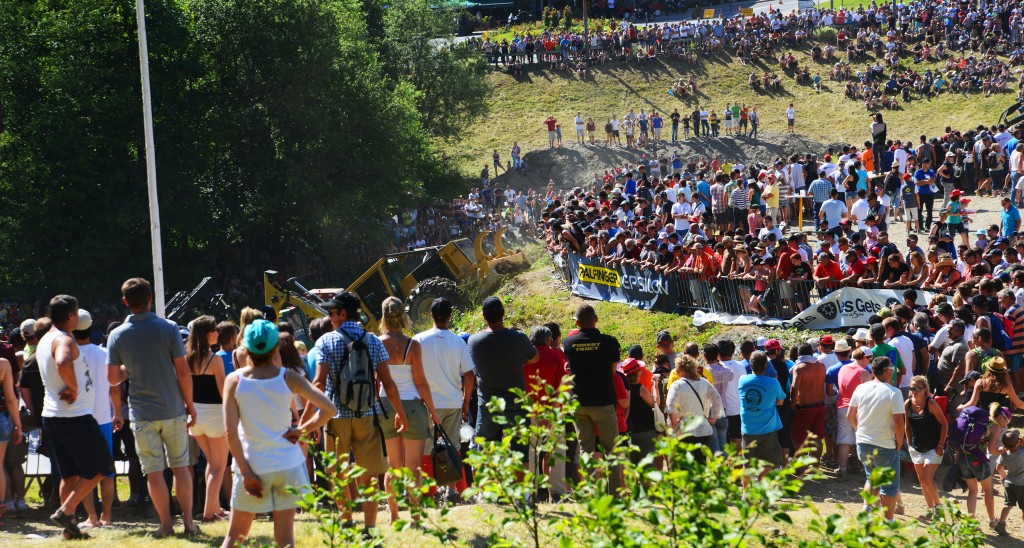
574	163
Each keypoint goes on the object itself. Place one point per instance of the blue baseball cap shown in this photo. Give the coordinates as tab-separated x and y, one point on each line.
260	337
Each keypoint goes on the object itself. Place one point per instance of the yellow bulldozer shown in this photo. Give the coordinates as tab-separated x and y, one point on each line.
417	277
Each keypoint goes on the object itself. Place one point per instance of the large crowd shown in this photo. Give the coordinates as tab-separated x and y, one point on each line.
933	385
979	43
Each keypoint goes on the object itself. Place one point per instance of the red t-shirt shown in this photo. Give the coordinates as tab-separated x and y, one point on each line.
832	270
551	123
546	371
849	380
621	393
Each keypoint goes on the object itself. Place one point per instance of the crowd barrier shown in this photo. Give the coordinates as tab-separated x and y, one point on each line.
805	304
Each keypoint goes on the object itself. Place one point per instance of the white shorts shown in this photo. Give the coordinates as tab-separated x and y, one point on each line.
911	213
924	458
275	491
846	436
209	421
728	124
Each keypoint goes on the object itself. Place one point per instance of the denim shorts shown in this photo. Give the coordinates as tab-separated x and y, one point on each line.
6	428
874	457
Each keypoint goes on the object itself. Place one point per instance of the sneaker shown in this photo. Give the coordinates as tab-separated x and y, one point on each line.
899	510
20	505
843	473
66	522
1001	529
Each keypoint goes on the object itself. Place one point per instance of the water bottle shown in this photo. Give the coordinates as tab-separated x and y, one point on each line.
466	433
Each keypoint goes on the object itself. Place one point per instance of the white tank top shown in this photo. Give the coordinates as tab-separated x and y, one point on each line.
264	408
402	375
53	406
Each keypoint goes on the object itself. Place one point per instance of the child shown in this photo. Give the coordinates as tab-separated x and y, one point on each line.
257	410
558	134
817	82
1011	470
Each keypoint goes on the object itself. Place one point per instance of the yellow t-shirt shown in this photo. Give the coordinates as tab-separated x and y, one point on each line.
674	375
773	200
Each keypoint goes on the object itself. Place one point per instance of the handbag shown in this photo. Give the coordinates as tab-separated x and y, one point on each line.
445	458
660	424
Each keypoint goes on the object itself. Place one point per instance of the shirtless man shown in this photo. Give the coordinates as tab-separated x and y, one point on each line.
808	397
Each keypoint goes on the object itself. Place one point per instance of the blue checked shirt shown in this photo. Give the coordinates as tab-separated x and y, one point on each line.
331	350
821	190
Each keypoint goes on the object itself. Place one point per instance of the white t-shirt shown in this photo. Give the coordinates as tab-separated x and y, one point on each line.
828	359
790	113
861	209
906	349
876	403
682	225
96	359
900	155
446	359
53	406
731	396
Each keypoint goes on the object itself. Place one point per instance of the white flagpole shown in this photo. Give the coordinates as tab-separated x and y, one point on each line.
154	206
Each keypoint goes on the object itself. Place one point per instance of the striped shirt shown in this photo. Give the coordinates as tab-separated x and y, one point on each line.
1016	315
738	199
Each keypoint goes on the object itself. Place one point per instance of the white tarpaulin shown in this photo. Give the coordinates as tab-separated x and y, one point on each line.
846	307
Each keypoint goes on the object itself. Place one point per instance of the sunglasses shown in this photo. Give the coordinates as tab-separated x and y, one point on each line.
916	389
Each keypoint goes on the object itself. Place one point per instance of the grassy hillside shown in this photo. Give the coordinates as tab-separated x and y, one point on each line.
518	107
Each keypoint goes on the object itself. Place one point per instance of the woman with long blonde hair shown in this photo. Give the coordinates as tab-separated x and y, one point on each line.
239	358
405	449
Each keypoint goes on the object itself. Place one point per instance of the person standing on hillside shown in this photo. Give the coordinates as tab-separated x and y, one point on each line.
592	357
76	444
448	367
755	121
876	414
675	116
499	355
551	122
148	351
791	118
579	127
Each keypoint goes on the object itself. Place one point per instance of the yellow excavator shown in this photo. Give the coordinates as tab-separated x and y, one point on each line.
455	270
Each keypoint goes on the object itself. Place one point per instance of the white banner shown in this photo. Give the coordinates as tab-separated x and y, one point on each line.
843	308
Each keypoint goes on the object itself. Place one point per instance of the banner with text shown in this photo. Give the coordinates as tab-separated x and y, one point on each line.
622	284
846	307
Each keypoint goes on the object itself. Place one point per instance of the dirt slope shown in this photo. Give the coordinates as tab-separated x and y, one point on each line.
573	163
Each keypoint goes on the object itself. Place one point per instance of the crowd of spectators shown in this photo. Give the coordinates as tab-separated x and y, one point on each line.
716	219
977	43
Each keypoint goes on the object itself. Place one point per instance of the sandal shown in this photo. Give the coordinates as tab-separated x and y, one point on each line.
194	532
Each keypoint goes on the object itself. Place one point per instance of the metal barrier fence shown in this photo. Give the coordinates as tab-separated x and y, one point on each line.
738	296
735	296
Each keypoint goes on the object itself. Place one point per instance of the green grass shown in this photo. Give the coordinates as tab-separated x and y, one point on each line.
539	296
518	108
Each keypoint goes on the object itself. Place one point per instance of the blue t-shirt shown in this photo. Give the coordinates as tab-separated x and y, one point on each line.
862	179
832	373
311	363
225	357
758	414
631	186
921	175
1010	219
704	189
769	372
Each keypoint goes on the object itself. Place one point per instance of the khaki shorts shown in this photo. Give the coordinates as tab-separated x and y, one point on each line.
451	422
417	420
276	495
162	444
361	438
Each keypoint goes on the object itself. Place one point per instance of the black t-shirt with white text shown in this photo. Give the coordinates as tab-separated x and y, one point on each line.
592	357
